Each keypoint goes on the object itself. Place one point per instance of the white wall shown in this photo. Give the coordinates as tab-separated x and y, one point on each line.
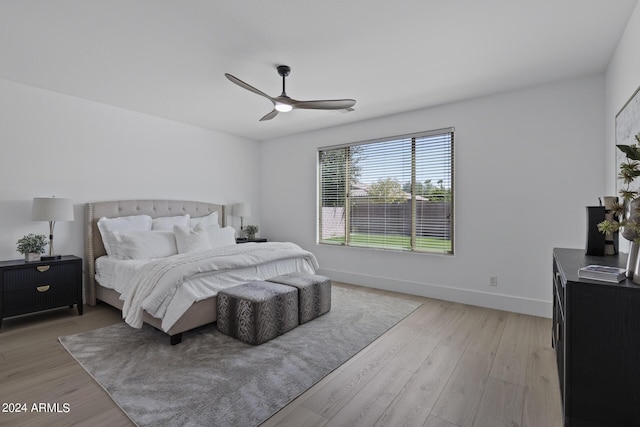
54	144
622	80
526	164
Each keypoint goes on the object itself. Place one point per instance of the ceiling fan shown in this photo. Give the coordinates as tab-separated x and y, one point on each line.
283	103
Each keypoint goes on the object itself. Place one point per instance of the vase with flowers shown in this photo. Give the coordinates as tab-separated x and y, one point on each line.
629	210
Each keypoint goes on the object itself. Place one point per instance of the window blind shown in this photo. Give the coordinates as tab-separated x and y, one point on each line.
393	193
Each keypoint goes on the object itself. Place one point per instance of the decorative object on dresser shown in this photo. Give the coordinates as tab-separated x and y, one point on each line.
610	239
596	336
595	239
629	211
31	246
27	287
51	209
603	272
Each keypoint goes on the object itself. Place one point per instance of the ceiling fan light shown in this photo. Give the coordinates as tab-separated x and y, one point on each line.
283	108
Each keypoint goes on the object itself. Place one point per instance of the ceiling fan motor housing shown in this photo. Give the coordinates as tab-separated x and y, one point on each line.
283	70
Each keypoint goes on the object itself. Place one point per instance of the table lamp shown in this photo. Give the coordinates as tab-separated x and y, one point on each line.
242	210
51	209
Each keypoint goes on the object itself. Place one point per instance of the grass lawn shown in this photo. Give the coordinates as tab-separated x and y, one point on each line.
427	244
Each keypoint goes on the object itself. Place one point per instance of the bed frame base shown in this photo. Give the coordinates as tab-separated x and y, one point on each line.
200	313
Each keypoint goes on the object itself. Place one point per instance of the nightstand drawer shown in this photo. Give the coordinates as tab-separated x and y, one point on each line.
39	275
38	297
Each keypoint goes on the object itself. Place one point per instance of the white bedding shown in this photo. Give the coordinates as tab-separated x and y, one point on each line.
167	287
115	273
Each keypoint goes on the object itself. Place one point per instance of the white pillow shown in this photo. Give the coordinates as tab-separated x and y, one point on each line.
219	237
144	244
191	239
210	220
124	223
168	222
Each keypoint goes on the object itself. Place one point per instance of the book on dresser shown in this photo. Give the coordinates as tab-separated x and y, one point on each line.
603	272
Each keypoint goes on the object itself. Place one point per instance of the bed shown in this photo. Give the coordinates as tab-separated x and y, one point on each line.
197	311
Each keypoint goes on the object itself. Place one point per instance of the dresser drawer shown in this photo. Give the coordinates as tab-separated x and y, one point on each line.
40	275
38	297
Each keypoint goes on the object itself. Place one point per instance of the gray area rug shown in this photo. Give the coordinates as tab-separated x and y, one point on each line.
211	379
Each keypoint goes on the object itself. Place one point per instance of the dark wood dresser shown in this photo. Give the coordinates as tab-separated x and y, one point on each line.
27	287
596	335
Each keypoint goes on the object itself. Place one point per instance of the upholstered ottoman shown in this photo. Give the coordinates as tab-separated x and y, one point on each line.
314	293
256	312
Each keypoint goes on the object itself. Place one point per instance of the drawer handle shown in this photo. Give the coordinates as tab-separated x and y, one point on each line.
559	337
43	268
44	288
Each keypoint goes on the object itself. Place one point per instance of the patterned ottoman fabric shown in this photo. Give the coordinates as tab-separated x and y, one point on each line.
314	293
256	312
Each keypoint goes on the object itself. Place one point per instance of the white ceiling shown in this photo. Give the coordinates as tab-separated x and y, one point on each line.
168	58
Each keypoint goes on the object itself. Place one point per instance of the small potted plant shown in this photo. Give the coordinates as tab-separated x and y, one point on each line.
32	246
250	231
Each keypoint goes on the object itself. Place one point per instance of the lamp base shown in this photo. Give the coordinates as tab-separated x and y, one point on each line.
50	257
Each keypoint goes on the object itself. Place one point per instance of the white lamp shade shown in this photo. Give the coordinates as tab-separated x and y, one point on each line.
242	209
52	209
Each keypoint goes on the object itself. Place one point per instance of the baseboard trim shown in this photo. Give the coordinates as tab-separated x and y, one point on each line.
465	296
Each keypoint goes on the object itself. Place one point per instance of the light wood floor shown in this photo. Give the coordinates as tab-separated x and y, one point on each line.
445	365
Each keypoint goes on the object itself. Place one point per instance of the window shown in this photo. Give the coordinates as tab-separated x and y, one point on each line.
394	193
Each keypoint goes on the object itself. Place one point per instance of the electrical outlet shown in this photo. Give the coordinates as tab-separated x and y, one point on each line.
493	280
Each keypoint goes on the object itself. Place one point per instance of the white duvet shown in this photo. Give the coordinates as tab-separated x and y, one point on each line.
167	287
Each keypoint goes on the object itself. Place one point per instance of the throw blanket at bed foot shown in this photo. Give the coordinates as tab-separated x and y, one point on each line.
157	282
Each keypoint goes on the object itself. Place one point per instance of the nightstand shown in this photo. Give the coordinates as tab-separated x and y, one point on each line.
27	287
258	240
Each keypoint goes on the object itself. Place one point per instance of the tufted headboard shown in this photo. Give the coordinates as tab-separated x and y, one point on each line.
112	209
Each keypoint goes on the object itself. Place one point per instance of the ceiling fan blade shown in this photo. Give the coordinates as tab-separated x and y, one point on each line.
246	86
270	116
328	104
